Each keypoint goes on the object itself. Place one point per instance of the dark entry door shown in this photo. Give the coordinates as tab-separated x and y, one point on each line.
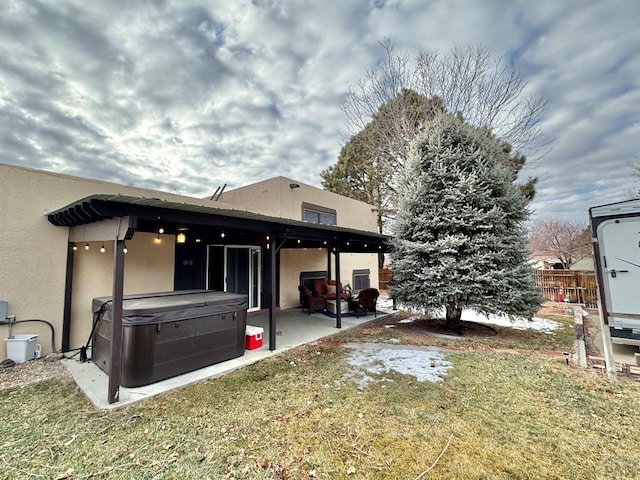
190	264
216	268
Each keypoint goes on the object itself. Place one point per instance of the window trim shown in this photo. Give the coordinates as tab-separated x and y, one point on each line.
319	210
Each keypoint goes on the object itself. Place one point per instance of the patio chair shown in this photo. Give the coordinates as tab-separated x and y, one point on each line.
310	301
365	302
328	289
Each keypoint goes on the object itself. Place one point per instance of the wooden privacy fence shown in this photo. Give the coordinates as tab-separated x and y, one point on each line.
579	285
384	277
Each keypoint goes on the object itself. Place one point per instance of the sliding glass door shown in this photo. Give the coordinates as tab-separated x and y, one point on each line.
241	269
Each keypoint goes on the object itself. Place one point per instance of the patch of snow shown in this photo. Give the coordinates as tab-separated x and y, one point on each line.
426	364
536	323
409	320
384	304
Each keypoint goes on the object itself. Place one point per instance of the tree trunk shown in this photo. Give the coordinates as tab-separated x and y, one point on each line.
454	314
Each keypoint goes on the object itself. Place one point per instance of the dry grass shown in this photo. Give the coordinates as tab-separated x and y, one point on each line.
294	417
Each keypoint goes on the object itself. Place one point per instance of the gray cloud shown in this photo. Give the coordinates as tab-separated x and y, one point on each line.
184	96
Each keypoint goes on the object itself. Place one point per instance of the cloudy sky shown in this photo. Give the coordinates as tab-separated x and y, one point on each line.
187	95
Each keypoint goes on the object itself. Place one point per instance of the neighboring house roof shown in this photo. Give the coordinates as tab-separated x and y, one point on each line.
148	211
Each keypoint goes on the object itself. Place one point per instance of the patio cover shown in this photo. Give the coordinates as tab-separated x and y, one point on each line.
118	217
147	212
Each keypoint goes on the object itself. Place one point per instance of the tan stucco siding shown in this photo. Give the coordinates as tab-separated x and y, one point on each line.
294	261
265	195
149	267
276	196
358	261
33	253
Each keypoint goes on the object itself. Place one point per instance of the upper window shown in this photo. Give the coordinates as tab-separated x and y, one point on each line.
316	214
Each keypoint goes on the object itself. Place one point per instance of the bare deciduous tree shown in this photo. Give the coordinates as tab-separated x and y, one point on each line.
565	240
484	92
634	193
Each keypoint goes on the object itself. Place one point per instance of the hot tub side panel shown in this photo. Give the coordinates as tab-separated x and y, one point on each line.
196	343
170	342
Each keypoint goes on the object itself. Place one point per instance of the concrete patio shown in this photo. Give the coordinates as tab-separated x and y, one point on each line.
293	328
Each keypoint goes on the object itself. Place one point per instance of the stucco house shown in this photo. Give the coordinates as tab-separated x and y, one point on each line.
67	240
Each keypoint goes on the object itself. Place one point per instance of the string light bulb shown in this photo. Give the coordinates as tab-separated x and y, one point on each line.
75	247
86	247
160	231
125	249
102	249
222	235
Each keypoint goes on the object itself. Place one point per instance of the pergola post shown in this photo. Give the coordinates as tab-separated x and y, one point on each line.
116	326
338	292
68	289
272	293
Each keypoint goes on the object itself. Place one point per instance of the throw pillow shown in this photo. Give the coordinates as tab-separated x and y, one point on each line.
331	289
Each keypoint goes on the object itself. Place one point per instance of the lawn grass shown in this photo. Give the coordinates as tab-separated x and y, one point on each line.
295	416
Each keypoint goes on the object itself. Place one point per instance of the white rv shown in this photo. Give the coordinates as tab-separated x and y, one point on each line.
615	230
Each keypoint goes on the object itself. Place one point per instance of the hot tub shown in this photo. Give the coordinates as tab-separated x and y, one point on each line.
171	333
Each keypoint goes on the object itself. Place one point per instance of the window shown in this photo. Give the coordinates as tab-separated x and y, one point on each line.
361	279
316	214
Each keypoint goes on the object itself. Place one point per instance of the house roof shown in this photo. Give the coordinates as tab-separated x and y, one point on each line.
152	212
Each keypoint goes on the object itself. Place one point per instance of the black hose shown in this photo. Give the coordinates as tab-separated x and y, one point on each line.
53	333
97	316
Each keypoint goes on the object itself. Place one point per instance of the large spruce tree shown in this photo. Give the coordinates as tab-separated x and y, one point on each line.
460	239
